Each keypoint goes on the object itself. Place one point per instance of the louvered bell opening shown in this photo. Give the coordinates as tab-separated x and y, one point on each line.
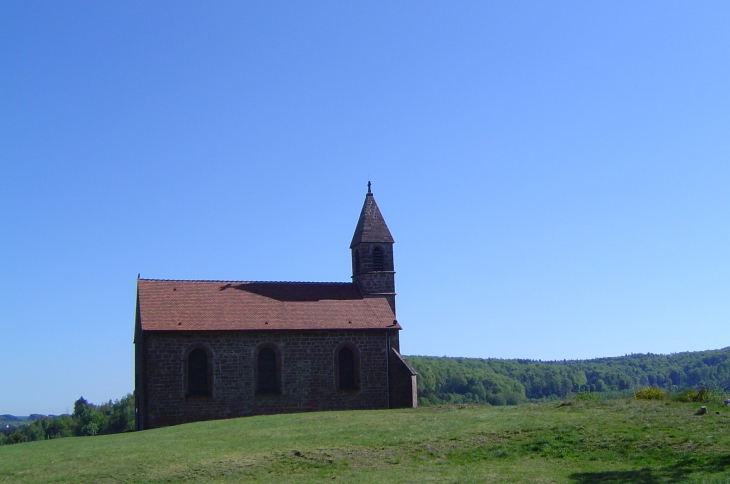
378	259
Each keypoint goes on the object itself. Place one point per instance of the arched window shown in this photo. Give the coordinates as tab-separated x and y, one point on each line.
346	369
268	382
198	378
357	262
378	259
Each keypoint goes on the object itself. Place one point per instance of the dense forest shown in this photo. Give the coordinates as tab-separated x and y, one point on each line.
500	382
87	419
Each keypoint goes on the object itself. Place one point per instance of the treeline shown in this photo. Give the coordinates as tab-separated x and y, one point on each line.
87	419
508	382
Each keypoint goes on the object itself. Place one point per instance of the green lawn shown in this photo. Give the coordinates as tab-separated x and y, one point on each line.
612	441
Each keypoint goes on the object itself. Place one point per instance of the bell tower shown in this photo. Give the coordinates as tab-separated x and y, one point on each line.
372	253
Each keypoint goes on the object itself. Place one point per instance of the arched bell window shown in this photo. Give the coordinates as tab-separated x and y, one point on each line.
378	259
198	373
267	371
357	262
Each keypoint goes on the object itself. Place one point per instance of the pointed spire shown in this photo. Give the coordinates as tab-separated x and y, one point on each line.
371	226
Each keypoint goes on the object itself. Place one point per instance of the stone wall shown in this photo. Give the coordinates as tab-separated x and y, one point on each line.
378	284
307	374
371	282
403	384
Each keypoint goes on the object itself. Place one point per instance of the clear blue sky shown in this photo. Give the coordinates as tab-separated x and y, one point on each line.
555	174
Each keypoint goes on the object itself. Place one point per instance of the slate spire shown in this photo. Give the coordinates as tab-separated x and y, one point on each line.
371	227
372	253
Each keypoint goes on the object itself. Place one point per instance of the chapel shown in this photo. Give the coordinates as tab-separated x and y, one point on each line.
220	349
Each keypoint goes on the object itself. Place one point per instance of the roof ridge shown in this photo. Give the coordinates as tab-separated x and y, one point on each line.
242	281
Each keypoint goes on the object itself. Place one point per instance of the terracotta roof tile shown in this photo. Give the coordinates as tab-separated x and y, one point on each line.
168	305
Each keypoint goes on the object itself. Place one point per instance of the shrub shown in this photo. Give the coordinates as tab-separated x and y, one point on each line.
511	398
496	400
90	428
586	395
711	395
686	395
649	393
703	395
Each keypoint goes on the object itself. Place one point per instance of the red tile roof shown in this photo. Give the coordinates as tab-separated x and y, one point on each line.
167	305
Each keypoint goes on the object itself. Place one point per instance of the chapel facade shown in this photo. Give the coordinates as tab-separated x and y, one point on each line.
219	349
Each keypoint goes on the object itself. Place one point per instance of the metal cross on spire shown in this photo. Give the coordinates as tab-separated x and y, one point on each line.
369	187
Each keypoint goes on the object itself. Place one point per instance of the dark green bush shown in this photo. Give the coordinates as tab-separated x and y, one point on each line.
686	395
585	395
496	400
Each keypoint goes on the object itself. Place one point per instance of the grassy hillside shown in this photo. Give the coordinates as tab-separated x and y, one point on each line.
500	382
607	441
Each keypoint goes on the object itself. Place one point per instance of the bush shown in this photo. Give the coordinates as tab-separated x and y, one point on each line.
649	393
16	437
686	395
90	428
586	395
703	395
496	400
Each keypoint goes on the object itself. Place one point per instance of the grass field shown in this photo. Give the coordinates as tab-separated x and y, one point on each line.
613	441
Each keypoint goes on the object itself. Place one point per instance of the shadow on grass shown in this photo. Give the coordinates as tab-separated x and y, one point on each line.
673	473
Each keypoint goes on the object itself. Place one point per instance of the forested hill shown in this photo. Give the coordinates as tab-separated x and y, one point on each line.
499	382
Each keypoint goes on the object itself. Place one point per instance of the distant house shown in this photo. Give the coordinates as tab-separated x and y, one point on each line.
217	349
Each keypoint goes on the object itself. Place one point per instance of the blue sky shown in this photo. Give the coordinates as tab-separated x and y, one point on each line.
554	174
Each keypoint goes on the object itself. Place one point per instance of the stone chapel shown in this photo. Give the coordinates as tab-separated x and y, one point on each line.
219	349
